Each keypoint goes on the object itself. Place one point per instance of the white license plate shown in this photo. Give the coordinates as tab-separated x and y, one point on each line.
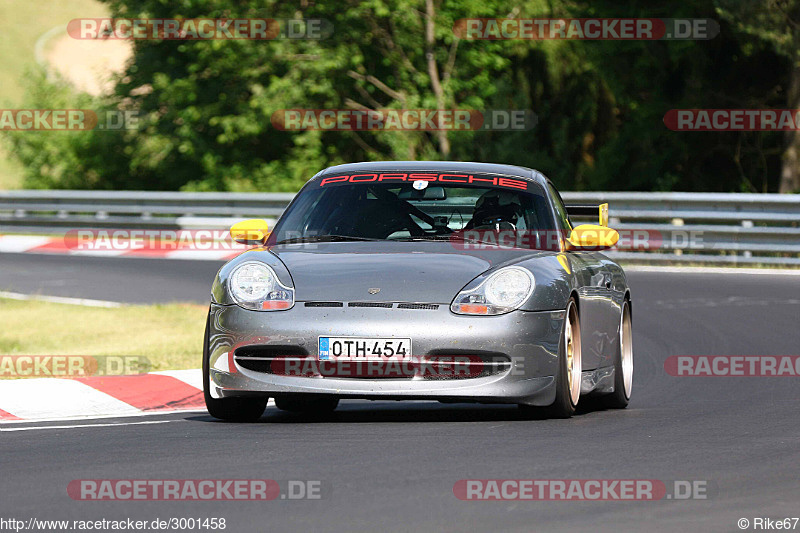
363	348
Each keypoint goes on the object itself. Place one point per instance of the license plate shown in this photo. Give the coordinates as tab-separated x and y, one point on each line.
363	348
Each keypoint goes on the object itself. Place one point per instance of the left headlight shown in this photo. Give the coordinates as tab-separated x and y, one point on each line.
254	285
501	292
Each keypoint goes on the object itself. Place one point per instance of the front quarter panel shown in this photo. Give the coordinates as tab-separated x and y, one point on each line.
219	289
556	277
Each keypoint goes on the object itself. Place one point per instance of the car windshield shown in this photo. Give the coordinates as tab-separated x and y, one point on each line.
416	210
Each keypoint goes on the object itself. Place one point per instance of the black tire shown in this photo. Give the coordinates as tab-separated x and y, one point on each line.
233	409
620	397
564	406
307	404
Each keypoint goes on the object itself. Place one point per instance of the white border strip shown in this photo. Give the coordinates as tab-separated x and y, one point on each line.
22	243
711	270
59	299
4	423
34	399
193	377
31	428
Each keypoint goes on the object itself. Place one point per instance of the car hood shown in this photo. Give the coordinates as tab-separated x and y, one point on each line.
431	272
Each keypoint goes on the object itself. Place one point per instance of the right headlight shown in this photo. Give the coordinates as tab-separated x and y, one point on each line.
501	292
254	285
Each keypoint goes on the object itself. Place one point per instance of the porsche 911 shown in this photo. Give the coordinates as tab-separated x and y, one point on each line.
444	281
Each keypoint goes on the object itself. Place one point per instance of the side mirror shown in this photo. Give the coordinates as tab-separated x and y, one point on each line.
253	231
592	237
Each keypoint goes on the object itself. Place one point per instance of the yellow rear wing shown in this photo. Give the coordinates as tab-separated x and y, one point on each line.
590	210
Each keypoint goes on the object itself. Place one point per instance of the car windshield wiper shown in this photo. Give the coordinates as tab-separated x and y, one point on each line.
324	238
437	237
455	236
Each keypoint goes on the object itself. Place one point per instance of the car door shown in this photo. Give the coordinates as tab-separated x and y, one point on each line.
594	290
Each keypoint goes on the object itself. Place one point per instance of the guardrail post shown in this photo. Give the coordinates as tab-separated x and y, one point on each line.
675	222
746	224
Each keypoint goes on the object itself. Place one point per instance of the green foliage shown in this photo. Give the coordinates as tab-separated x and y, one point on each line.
68	159
205	106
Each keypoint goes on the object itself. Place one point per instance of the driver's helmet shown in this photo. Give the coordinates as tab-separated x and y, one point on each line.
497	208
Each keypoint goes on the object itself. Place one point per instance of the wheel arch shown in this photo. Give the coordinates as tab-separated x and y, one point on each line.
627	298
577	297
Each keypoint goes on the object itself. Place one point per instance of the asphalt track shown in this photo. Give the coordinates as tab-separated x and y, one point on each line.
389	466
134	280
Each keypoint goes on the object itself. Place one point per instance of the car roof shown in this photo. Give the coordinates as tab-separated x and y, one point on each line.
437	166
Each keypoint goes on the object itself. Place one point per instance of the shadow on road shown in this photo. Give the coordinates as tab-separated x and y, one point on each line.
414	412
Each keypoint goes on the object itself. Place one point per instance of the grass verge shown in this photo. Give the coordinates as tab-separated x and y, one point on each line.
169	335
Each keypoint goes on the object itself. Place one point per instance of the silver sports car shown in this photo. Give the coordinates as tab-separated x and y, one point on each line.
456	282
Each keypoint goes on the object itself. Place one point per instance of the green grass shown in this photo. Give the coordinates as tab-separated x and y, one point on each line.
170	336
21	24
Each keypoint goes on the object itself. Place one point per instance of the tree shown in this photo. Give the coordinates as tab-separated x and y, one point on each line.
776	22
205	107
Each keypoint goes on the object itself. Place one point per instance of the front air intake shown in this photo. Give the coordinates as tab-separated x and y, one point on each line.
429	307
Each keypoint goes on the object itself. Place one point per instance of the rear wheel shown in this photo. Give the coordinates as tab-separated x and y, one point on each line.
234	409
623	364
307	404
568	376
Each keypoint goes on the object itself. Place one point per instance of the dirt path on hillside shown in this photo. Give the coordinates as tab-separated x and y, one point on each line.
89	64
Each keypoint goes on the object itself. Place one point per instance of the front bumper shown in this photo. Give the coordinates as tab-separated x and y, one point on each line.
528	341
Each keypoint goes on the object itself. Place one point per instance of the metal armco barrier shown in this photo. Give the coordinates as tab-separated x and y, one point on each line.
677	227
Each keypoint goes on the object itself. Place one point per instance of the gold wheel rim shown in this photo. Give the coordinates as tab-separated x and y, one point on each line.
626	350
573	353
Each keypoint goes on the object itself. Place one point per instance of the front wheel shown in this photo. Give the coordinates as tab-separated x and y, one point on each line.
233	409
623	363
568	376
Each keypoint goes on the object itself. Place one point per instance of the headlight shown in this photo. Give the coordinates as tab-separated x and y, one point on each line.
501	292
254	285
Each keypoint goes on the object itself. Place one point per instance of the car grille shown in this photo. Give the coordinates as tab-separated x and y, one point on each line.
429	307
276	359
259	357
380	305
477	365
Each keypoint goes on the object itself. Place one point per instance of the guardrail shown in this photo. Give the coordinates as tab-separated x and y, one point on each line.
728	228
685	227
